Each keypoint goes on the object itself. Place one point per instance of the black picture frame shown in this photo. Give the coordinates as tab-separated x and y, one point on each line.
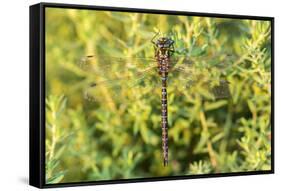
37	94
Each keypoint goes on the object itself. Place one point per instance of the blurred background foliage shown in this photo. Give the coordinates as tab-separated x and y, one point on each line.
88	141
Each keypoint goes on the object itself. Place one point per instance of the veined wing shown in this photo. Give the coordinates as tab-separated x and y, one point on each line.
112	79
109	79
118	89
113	67
205	77
222	62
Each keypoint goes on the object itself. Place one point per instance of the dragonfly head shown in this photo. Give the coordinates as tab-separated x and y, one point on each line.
164	43
164	46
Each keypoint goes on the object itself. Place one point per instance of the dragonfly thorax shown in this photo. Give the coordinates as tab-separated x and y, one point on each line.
164	46
163	50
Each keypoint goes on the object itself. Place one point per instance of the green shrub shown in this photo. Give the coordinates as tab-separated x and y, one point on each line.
121	138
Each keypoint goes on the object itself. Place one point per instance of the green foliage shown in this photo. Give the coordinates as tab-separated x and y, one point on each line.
121	138
55	139
201	167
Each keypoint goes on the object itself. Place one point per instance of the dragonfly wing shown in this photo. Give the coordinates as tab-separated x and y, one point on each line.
118	89
113	66
109	79
222	61
221	90
197	79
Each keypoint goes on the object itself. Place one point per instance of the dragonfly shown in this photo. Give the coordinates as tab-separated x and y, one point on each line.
116	73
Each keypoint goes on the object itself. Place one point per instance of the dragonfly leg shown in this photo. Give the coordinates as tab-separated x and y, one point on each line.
153	39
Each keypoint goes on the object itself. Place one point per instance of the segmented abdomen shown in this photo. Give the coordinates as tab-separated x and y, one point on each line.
164	120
